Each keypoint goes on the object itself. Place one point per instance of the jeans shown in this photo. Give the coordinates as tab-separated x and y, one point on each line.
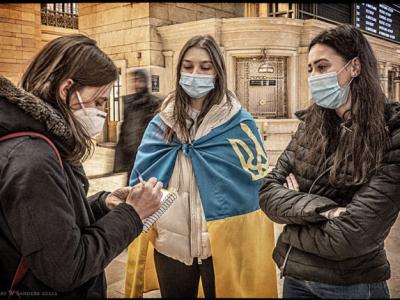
178	280
295	288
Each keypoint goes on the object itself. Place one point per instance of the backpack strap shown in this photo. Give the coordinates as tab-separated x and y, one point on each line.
22	268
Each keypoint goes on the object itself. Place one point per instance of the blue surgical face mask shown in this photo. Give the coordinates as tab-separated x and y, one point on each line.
196	85
326	91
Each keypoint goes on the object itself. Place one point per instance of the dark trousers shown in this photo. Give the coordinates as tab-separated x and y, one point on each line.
178	280
301	289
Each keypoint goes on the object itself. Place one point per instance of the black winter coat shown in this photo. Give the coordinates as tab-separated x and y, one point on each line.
139	109
68	239
345	250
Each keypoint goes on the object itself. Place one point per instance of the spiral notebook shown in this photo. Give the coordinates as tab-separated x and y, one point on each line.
167	199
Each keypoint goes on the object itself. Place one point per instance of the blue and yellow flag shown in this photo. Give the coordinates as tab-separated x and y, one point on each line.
229	164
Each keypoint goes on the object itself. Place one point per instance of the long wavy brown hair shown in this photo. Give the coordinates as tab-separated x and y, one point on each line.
77	57
182	100
358	151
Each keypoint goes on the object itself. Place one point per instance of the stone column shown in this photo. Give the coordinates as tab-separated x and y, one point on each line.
293	100
302	77
397	86
384	69
169	71
263	10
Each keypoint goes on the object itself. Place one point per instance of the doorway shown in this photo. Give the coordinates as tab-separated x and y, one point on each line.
261	86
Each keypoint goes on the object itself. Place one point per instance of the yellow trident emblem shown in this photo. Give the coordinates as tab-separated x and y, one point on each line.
259	170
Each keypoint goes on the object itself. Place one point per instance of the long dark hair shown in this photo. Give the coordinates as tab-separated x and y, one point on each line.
182	100
77	57
360	150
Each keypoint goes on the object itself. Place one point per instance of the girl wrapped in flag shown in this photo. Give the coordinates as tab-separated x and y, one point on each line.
205	147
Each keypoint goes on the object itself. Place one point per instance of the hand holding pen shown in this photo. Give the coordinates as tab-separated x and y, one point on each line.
145	199
139	177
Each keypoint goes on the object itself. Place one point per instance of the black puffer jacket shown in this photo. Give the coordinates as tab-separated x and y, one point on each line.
348	249
44	212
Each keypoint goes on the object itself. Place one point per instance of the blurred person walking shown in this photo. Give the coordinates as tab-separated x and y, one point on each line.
139	109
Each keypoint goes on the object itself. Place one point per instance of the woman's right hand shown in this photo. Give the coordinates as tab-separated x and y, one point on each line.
145	197
291	183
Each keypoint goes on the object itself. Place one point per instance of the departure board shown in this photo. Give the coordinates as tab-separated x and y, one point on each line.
382	20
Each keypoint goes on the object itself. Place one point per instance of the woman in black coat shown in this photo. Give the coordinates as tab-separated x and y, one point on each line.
53	240
337	184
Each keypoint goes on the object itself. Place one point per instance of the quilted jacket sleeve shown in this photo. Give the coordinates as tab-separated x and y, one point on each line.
366	222
286	206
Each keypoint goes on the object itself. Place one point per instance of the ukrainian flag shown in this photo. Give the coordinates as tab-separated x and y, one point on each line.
229	164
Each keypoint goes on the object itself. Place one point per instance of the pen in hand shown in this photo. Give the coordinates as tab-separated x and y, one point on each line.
141	180
139	177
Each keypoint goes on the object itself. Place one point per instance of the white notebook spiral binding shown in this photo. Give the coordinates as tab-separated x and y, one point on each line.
166	201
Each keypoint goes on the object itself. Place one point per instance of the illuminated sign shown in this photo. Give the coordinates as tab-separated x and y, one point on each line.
379	19
382	20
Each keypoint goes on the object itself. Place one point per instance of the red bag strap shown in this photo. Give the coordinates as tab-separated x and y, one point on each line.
22	268
36	134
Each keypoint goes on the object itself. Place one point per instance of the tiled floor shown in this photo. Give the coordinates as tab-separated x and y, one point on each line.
101	163
115	273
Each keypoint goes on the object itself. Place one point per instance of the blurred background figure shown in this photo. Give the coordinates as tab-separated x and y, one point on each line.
139	109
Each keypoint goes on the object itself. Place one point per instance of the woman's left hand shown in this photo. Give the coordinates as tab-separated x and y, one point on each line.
117	197
333	213
291	183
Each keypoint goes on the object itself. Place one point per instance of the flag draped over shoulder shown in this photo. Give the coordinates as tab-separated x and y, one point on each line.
229	164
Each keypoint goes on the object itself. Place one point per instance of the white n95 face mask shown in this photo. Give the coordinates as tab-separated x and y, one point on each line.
91	118
196	85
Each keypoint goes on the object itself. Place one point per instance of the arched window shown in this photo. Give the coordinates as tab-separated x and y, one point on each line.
63	15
